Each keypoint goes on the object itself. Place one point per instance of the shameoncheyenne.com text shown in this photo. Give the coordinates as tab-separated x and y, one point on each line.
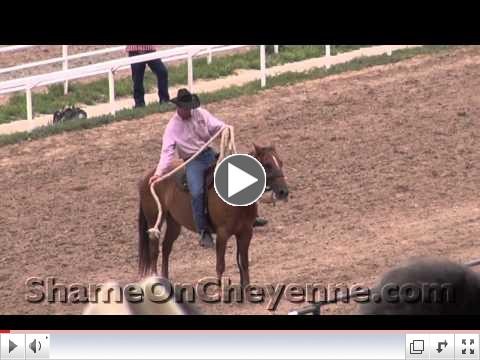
212	290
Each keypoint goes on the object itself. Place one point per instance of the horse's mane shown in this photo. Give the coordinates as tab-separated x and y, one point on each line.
263	151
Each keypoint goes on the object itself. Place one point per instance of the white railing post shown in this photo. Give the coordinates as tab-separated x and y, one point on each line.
209	58
275	49
111	91
29	104
389	52
327	55
65	67
263	68
190	73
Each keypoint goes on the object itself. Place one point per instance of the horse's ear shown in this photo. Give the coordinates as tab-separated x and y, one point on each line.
258	149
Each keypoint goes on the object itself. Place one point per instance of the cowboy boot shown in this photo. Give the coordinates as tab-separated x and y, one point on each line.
206	239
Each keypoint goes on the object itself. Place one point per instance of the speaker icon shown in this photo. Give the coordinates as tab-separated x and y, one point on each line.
35	346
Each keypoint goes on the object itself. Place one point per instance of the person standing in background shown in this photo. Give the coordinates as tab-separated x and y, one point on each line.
138	72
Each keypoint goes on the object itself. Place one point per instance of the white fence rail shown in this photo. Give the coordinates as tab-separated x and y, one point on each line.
14	48
109	67
64	59
61	59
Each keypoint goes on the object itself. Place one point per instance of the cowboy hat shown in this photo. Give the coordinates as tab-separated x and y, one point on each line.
186	100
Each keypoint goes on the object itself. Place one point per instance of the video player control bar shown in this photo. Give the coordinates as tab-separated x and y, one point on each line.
238	345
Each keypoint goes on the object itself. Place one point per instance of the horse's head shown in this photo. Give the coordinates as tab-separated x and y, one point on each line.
271	162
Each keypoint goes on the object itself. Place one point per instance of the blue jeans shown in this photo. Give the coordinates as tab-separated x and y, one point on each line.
196	183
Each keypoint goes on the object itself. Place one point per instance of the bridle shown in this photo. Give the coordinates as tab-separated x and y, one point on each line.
271	175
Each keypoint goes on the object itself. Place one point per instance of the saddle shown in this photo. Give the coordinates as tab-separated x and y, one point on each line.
181	178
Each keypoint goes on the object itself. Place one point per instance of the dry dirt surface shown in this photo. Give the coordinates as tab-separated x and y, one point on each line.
383	165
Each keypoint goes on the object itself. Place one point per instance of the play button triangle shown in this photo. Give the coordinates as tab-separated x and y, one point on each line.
238	180
11	346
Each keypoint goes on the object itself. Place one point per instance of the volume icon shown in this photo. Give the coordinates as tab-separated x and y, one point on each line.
35	346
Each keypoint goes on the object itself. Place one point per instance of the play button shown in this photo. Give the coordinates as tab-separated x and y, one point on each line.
240	180
11	346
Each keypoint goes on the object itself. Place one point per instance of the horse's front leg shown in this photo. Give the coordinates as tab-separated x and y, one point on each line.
221	246
243	244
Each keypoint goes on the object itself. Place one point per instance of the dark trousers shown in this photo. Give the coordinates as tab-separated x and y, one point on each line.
138	72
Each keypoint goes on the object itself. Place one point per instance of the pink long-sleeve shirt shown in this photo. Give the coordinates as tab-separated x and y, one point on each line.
186	136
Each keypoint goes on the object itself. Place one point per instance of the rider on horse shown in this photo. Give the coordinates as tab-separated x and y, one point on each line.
187	131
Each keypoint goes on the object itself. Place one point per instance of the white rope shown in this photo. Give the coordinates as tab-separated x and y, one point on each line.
227	146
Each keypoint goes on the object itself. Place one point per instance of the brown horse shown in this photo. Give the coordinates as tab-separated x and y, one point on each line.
226	220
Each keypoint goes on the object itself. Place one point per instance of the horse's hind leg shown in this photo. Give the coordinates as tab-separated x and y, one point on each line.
243	244
171	234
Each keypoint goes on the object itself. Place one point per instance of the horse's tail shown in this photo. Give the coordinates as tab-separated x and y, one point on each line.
143	243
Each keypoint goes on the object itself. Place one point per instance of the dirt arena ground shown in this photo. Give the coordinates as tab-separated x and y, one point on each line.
383	165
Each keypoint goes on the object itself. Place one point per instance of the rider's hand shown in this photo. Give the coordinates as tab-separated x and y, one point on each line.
153	178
